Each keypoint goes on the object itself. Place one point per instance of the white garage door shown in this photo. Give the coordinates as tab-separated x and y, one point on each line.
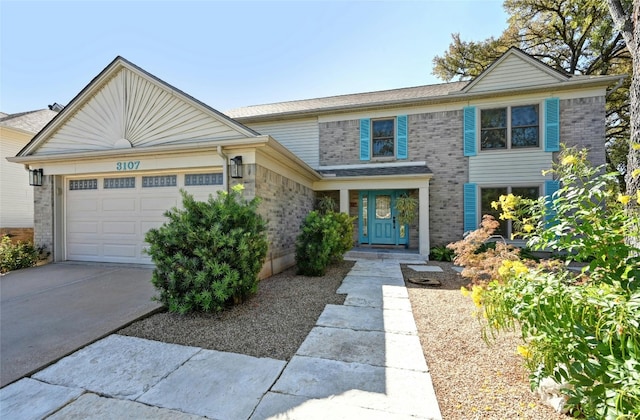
108	216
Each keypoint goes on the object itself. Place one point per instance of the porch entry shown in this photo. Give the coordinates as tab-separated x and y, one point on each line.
378	223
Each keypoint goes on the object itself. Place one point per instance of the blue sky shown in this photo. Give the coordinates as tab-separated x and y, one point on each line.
232	54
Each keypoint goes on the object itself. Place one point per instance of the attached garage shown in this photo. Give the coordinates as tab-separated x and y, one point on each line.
115	159
107	216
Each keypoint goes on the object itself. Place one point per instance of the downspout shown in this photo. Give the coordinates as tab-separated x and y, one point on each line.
225	170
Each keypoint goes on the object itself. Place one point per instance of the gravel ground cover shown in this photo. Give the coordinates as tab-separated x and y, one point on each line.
472	380
272	323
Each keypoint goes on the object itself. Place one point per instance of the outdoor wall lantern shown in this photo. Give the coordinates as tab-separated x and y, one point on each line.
236	167
35	177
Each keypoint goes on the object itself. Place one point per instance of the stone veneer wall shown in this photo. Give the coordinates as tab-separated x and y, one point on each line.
285	204
582	124
43	215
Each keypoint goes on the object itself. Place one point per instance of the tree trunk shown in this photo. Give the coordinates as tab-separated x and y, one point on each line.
627	22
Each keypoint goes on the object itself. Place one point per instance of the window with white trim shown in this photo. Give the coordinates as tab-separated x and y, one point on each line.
491	194
383	136
510	127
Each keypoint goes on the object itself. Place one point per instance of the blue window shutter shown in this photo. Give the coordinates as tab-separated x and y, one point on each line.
469	127
403	149
552	125
550	187
470	206
365	139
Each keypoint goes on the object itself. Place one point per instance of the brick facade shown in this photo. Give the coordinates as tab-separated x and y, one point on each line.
582	124
435	138
284	203
340	142
43	215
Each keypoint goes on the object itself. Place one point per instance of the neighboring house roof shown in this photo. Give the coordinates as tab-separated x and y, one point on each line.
30	121
377	171
346	101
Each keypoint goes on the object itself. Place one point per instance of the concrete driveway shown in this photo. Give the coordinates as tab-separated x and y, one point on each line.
50	311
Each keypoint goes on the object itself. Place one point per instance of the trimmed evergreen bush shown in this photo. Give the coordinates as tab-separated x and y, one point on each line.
323	239
16	256
209	254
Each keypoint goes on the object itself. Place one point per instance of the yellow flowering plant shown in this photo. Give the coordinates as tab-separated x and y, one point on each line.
579	327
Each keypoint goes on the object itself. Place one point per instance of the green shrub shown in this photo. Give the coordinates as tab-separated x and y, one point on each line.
209	254
322	240
441	253
579	328
16	256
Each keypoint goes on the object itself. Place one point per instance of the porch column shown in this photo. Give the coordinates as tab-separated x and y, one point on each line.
423	220
344	201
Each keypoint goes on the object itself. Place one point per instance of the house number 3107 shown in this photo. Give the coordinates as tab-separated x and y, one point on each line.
130	165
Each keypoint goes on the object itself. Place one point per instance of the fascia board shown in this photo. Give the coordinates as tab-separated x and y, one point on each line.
159	150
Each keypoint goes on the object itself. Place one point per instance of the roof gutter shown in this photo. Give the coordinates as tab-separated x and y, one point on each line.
616	87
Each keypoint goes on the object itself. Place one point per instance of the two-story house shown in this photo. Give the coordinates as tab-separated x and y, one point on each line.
115	158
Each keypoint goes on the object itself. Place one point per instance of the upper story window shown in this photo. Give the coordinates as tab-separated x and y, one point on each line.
510	127
383	136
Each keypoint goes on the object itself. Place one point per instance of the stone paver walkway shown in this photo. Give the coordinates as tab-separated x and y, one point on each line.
362	360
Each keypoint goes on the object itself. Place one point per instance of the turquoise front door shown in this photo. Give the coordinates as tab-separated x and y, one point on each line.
378	225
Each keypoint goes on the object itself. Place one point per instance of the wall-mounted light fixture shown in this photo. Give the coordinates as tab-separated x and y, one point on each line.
35	177
236	167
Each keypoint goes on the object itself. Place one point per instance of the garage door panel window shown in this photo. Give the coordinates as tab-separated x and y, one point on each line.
159	181
113	183
203	179
83	184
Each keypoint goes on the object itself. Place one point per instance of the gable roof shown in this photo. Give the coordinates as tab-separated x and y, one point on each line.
125	106
516	68
30	121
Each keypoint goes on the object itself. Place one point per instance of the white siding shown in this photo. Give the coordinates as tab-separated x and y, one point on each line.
509	167
131	107
300	136
16	196
513	72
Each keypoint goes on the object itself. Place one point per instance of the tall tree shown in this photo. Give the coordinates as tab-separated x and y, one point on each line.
626	16
574	36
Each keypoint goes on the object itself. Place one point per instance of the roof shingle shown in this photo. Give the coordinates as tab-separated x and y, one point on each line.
377	171
30	121
344	101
